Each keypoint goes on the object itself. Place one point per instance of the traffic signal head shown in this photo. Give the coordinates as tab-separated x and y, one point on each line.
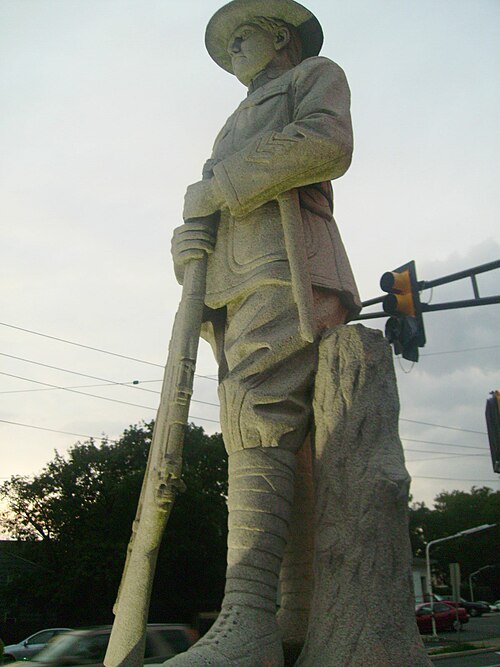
399	301
405	327
493	424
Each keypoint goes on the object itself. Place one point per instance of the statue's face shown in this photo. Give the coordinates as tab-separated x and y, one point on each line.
251	49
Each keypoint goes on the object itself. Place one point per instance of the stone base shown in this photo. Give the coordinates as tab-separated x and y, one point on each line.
362	612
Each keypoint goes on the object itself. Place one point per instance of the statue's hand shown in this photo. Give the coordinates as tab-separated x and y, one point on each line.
202	199
190	241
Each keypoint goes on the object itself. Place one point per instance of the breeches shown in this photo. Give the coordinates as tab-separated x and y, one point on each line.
266	371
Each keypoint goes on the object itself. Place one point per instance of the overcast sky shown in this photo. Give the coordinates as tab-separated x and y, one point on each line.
109	109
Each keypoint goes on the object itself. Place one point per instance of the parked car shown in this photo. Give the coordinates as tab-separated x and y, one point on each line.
445	615
495	606
472	608
88	647
31	645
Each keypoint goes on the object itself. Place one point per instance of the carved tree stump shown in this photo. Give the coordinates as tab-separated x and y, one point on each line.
362	611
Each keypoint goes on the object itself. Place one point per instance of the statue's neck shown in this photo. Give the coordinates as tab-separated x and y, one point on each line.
271	72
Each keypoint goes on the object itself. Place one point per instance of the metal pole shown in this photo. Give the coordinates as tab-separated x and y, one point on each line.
473	574
470	588
429	586
463	533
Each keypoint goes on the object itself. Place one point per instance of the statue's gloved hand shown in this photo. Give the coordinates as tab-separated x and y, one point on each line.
190	241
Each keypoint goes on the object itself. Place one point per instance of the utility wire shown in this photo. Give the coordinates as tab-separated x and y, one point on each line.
452	428
90	386
93	437
78	386
84	435
95	349
114	400
103	398
446	457
216	405
208	377
444	444
132	384
466	349
433	451
457	479
82	393
123	356
54	430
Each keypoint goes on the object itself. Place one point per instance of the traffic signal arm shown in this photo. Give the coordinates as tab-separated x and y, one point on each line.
405	327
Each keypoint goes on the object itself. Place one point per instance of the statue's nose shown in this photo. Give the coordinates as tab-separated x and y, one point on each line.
234	46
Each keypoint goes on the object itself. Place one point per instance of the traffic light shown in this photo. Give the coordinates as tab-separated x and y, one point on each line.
405	327
493	424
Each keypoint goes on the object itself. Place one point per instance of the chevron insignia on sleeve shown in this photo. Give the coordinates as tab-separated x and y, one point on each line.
266	148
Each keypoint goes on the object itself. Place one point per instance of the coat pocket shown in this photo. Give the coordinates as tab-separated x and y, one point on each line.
256	239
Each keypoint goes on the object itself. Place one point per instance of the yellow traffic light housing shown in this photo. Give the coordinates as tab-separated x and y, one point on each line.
400	299
405	327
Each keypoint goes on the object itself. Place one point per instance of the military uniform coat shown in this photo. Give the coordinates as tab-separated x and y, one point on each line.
292	132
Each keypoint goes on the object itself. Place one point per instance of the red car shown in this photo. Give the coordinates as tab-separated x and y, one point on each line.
445	615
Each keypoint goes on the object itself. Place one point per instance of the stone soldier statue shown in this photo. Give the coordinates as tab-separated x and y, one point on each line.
291	134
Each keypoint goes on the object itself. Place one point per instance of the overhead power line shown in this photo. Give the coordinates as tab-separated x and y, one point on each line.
103	398
132	385
208	377
82	393
93	437
85	435
451	428
465	349
78	386
457	479
90	386
445	454
95	349
107	383
54	430
446	457
443	444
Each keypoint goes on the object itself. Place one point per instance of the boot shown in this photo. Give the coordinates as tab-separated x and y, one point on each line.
246	633
296	577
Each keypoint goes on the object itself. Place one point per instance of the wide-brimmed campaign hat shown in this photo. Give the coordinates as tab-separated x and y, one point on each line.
225	21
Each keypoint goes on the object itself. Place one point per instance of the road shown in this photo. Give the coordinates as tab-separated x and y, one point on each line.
481	660
484	627
477	629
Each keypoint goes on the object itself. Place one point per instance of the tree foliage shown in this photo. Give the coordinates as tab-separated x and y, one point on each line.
454	512
74	520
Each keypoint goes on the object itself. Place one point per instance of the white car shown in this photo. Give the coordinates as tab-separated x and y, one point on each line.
31	645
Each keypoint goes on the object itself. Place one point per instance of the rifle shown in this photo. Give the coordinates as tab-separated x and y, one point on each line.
162	479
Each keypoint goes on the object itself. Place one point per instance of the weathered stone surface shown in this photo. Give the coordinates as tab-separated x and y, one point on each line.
260	497
362	612
296	576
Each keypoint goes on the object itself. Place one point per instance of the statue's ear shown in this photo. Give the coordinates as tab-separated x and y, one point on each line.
281	38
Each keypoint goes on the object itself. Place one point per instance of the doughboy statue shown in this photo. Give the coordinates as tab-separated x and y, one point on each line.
289	137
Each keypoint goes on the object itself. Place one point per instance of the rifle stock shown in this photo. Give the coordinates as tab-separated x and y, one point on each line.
162	479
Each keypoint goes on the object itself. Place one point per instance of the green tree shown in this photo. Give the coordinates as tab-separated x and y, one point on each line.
75	519
454	512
